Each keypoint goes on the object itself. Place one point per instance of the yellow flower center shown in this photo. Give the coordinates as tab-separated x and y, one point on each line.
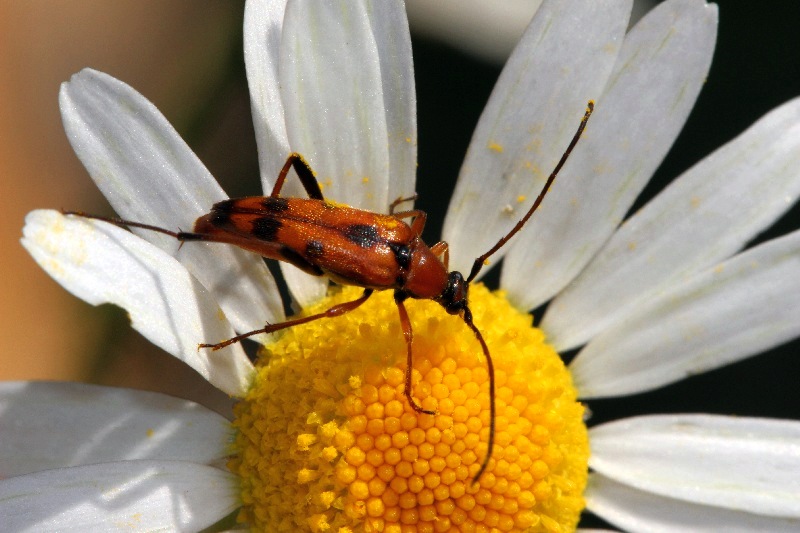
326	440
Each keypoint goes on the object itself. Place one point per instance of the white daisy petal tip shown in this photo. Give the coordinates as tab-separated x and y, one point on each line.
149	174
705	322
389	25
263	24
662	66
635	510
341	132
129	495
102	263
124	425
741	464
700	219
531	116
360	137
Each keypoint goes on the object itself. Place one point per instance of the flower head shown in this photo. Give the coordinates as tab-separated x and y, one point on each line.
327	439
324	436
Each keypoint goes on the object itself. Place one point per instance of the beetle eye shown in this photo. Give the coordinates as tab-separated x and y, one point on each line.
455	296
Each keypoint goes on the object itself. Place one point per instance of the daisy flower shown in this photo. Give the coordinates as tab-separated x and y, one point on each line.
322	437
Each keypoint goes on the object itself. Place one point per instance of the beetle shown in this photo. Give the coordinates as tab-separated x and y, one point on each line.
351	247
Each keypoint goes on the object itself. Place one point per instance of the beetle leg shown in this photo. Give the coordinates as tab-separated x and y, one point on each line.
418	224
336	310
405	323
399	200
442	249
304	172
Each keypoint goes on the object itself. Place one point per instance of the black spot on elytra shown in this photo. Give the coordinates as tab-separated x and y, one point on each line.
363	235
219	219
275	204
266	228
402	254
223	207
221	213
314	249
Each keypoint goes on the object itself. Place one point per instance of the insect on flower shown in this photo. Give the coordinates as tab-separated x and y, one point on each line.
351	247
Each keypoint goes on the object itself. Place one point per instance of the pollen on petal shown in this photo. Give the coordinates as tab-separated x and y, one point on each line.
326	439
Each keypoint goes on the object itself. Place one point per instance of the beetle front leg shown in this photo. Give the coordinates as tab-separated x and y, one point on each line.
405	323
418	224
399	200
336	310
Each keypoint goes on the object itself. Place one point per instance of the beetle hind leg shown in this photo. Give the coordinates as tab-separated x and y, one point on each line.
304	172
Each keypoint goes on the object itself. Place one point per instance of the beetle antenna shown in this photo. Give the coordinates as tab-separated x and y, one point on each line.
124	223
467	316
480	261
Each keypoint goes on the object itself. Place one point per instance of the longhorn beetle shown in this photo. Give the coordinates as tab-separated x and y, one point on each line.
351	247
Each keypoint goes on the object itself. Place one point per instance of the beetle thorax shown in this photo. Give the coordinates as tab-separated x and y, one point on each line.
425	277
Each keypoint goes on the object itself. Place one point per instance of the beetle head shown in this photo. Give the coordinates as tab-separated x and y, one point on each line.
454	295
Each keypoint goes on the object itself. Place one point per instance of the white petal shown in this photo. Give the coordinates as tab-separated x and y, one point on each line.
347	84
562	61
743	306
390	29
149	175
745	464
263	21
663	64
54	425
124	496
305	288
263	27
486	30
101	263
633	510
331	87
701	218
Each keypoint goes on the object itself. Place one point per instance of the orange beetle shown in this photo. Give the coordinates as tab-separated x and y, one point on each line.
351	247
